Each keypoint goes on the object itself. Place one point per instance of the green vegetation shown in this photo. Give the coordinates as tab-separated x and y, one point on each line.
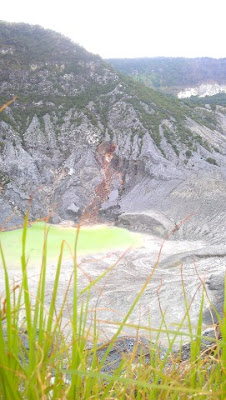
217	99
170	108
4	179
61	76
91	240
33	42
39	361
57	73
188	153
168	72
211	161
169	136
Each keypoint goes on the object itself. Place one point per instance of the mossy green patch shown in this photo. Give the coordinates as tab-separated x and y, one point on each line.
91	240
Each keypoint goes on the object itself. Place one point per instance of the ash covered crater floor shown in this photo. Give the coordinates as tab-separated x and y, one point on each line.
182	263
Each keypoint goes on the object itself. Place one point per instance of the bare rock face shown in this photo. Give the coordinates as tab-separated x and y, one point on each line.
216	287
142	222
72	109
168	158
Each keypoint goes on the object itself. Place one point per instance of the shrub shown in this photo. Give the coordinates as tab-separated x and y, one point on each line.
188	153
211	161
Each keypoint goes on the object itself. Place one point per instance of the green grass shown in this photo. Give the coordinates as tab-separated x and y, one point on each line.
91	240
56	367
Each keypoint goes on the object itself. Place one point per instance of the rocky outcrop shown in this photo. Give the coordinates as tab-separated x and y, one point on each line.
216	291
144	222
168	158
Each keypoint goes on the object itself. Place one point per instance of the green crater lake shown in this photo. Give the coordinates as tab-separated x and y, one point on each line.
91	240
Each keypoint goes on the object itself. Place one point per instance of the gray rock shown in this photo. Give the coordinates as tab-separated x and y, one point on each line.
142	223
73	208
48	143
215	286
127	347
208	343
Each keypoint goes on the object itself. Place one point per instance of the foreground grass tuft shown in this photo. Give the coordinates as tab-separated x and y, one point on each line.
38	360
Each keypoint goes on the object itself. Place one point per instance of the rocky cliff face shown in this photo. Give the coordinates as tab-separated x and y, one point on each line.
168	159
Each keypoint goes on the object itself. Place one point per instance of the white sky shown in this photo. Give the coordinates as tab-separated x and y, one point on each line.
130	28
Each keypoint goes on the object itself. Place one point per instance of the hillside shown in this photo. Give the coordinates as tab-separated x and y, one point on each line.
174	75
89	144
71	109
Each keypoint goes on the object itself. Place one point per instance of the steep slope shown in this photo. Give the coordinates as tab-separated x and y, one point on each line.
182	76
79	130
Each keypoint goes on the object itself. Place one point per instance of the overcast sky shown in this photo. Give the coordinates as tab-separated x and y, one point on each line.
131	28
